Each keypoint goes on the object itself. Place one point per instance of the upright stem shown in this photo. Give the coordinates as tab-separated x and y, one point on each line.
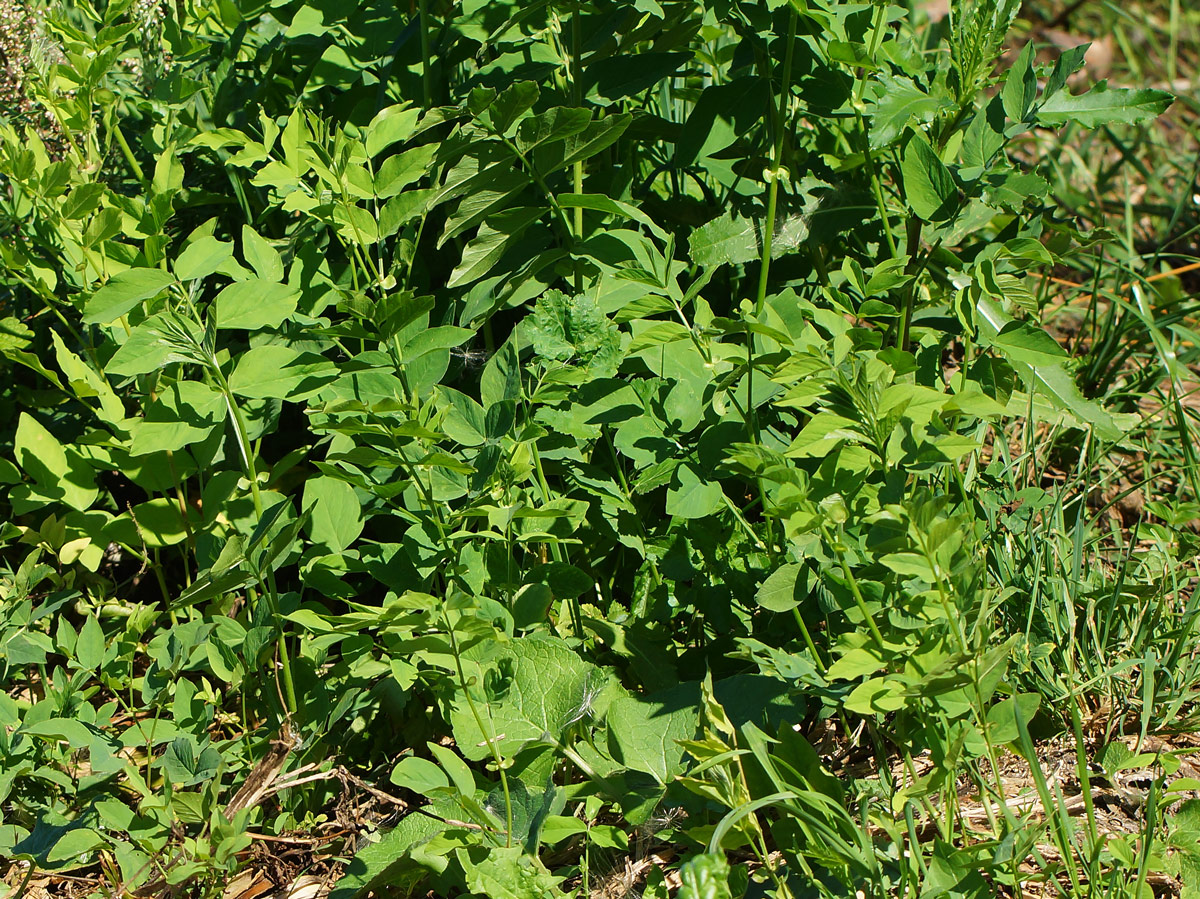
785	90
577	96
240	430
426	75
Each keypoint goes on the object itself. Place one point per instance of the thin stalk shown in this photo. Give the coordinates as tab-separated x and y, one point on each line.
130	159
241	432
426	75
776	163
555	550
854	590
491	745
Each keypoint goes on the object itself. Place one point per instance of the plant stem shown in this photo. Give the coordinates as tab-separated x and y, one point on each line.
426	75
241	432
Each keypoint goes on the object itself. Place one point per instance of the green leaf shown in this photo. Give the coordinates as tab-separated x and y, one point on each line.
778	592
201	258
419	775
1020	86
508	873
501	112
391	125
185	765
725	240
89	648
602	203
534	689
336	519
66	730
597	136
564	328
691	496
254	304
279	372
261	256
704	876
1102	106
1049	378
123	292
556	123
900	102
501	379
58	472
496	235
643	734
928	185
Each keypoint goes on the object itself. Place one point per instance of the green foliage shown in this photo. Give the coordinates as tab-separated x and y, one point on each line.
555	451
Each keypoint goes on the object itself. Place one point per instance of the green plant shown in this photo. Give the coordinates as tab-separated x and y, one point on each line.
560	451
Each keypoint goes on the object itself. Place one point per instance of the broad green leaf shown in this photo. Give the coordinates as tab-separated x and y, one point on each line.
401	170
156	523
201	258
691	496
185	764
501	379
261	256
58	472
602	203
280	372
336	514
123	293
419	775
1020	86
89	648
900	102
533	690
1001	720
1104	106
1021	341
778	592
643	733
66	730
391	125
510	873
564	328
496	235
254	304
928	185
501	112
725	240
556	123
86	383
597	136
704	876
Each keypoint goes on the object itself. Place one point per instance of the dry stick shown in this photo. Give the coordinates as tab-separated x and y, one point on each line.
1181	270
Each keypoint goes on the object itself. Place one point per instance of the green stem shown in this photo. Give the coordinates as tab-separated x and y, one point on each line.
854	590
487	738
777	163
426	75
241	432
130	159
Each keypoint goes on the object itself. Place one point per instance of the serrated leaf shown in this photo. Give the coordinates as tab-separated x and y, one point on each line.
1104	106
901	102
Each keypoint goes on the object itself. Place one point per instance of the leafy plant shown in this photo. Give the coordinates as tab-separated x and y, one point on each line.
558	415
